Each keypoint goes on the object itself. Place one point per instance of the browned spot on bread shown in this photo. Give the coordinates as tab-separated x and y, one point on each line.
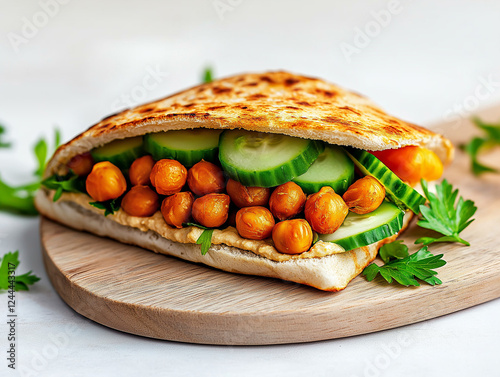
393	130
267	79
219	90
292	81
256	96
216	107
303	103
292	107
350	109
146	110
251	84
326	93
188	105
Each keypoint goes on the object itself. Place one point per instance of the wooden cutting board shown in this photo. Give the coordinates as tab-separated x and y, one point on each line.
139	292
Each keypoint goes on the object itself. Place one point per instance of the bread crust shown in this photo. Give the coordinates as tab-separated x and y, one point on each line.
274	102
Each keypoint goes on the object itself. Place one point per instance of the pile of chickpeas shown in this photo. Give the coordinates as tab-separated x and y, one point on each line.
203	195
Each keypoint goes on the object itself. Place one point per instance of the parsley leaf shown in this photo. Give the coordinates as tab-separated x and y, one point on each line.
393	250
68	183
443	216
109	206
196	225
477	144
20	199
208	75
41	150
22	281
3	144
492	130
406	271
205	240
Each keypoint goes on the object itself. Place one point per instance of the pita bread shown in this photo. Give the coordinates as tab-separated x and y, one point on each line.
274	102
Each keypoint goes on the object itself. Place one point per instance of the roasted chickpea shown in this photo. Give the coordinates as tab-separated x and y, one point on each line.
105	182
140	201
140	170
211	210
254	223
287	201
82	164
168	176
205	178
292	236
176	209
325	211
365	195
243	196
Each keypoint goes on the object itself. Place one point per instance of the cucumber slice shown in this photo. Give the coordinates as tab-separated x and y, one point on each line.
362	230
120	152
332	168
186	146
265	160
399	192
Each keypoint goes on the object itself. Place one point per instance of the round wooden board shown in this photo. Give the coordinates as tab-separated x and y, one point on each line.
139	292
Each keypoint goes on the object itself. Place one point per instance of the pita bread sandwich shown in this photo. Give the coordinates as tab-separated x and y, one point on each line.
270	174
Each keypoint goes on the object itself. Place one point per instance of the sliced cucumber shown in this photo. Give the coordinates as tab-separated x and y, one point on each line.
120	152
186	146
399	192
332	168
362	230
266	160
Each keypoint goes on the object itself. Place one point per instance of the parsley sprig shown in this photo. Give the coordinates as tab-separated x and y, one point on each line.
443	215
109	206
67	183
20	199
404	268
474	147
205	238
22	282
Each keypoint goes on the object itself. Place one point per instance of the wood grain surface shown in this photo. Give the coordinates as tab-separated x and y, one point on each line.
139	292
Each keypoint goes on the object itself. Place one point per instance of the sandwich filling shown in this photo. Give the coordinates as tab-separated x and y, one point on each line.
277	196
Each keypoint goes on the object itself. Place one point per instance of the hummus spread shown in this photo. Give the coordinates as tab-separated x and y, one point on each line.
190	234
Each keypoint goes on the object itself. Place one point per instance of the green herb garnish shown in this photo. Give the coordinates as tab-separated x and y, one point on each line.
3	144
20	199
208	75
196	225
109	206
67	183
10	261
443	216
205	240
393	250
474	147
408	269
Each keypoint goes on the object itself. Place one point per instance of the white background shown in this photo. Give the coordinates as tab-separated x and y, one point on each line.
68	65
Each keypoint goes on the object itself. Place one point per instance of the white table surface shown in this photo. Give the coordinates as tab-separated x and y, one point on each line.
85	57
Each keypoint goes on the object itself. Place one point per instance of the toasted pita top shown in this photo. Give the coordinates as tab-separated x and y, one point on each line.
274	102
